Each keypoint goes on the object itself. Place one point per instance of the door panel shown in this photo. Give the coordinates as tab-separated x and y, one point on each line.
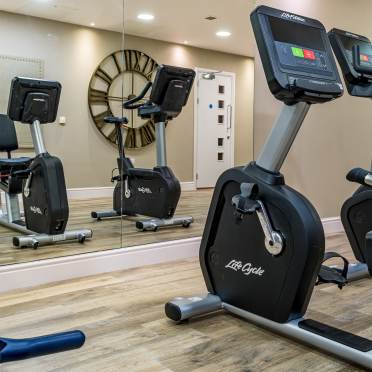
214	128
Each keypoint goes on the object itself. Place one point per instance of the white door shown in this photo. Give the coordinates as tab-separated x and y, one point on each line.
214	127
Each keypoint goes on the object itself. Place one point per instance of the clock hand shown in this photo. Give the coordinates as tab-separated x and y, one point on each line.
115	98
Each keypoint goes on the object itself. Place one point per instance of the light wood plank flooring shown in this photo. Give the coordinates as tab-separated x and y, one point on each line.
122	316
107	233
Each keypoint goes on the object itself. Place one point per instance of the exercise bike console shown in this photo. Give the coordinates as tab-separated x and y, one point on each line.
296	57
354	54
32	99
362	62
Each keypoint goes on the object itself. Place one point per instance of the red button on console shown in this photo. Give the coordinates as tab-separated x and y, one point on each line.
309	54
364	58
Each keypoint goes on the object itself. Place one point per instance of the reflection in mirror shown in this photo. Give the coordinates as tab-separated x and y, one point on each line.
197	150
154	193
157	163
191	140
53	167
11	66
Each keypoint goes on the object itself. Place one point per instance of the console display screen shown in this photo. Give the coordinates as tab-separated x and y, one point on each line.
364	47
300	46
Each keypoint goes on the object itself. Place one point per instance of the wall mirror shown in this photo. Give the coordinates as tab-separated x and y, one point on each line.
103	54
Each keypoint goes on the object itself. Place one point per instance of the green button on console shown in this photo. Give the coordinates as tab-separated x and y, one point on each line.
297	52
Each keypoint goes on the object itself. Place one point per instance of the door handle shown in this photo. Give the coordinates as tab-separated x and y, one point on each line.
229	116
229	120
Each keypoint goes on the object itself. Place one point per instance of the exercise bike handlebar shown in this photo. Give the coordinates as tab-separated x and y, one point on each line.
115	120
361	176
129	105
19	349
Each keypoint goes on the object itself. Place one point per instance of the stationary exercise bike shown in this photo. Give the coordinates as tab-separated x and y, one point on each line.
152	192
354	54
263	242
40	180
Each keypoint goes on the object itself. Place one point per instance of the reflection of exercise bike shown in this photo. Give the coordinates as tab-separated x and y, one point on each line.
263	242
41	179
152	192
354	53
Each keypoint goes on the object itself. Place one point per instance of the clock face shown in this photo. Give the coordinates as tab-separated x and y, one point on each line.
119	77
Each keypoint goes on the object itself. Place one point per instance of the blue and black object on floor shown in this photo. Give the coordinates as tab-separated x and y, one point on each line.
18	349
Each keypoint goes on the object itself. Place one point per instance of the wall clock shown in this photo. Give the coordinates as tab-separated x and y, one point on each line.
121	76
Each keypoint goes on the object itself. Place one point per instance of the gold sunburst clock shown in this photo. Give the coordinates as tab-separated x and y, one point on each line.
119	77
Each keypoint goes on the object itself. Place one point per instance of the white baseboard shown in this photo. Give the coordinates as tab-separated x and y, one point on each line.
57	269
46	271
90	192
188	186
106	192
332	225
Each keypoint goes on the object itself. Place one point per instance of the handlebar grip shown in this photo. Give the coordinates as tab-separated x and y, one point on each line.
357	175
115	120
129	104
22	174
19	349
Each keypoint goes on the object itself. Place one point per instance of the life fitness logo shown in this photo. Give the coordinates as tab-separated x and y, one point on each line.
292	17
144	190
245	268
36	210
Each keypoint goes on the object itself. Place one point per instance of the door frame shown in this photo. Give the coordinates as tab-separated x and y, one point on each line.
199	70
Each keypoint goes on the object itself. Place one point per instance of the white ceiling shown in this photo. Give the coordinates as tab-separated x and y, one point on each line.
175	20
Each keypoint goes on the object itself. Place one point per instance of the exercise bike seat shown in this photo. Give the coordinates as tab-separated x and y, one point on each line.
12	173
14	165
15	162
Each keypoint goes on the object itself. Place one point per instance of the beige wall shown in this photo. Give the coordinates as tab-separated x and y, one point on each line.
180	138
71	54
335	136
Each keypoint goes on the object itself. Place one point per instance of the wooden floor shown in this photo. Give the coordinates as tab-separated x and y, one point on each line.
107	234
122	316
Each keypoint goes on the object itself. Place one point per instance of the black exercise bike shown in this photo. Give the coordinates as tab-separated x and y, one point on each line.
151	192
